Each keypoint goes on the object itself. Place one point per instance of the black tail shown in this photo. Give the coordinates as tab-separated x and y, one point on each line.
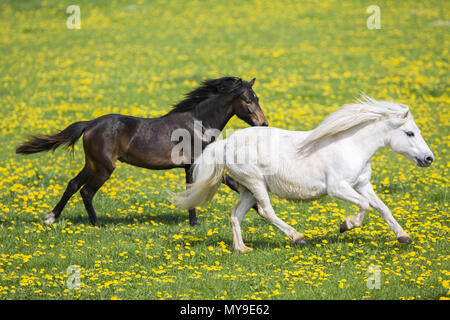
40	143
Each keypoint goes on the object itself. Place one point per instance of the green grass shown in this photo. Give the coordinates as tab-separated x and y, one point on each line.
138	58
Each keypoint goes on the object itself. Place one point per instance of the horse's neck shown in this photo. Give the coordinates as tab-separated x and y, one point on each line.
214	114
367	139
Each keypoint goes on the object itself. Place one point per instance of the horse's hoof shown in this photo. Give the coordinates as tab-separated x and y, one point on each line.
344	227
50	218
301	241
244	250
404	239
193	223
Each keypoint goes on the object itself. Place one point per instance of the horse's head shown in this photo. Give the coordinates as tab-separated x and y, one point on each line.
405	138
246	106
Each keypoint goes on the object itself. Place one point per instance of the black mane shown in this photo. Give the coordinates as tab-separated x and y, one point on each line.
225	86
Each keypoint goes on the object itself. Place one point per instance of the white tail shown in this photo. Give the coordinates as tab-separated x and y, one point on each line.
208	172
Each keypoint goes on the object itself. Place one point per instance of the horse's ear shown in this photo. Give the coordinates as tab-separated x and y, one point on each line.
400	119
252	82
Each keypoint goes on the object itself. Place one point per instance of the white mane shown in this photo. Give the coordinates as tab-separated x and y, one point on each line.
349	116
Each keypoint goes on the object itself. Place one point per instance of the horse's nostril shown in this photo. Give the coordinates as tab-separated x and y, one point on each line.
265	124
429	160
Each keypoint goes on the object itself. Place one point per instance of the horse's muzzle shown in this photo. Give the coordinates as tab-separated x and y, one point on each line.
425	161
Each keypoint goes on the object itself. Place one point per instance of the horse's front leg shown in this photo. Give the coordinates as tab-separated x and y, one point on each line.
345	192
192	215
379	205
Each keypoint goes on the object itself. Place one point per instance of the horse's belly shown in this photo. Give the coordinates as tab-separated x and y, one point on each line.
153	165
149	160
293	190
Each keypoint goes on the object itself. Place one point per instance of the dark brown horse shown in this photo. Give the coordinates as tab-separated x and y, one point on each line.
147	142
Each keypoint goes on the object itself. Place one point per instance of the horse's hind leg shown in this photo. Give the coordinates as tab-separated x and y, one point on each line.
72	187
228	181
91	187
246	201
101	150
265	209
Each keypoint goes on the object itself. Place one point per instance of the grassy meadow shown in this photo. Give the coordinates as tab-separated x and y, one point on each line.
139	58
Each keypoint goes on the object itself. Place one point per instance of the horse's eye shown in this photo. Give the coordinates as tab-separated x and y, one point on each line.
409	133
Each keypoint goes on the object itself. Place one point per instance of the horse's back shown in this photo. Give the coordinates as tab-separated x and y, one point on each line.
271	155
110	127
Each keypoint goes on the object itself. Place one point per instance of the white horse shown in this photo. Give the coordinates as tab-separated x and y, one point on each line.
332	159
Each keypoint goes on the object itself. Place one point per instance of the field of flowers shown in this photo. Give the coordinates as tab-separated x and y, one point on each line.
138	58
